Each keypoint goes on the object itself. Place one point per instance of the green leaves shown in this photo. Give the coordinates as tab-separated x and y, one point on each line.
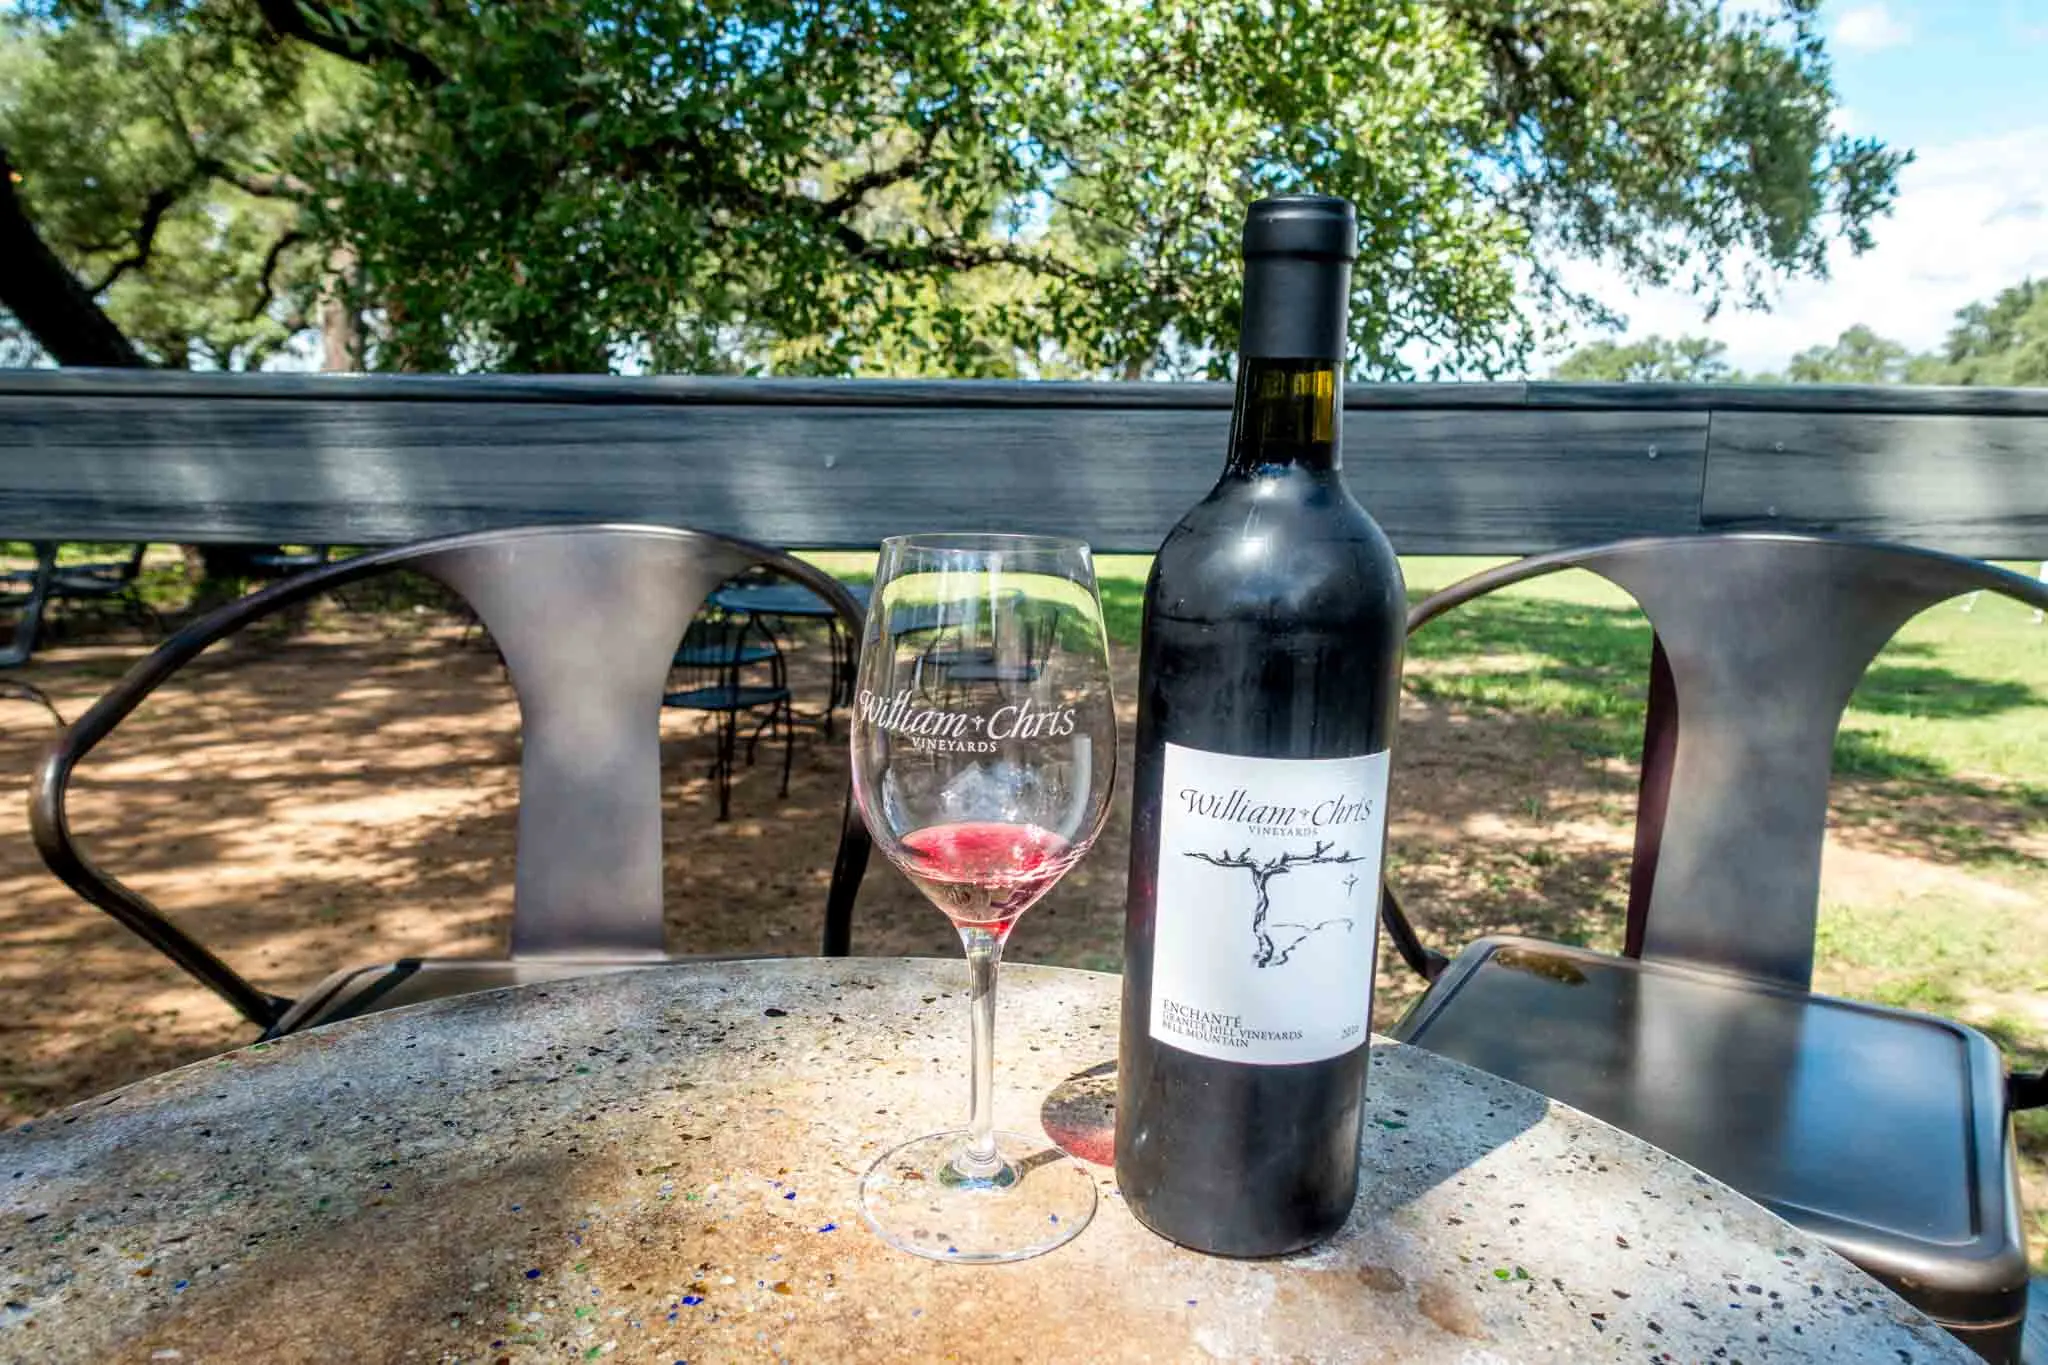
981	188
2002	342
1653	360
121	131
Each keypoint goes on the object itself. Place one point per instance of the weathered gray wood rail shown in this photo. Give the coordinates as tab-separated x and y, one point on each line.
1447	468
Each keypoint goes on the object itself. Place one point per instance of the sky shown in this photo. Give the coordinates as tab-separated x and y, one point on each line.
1964	85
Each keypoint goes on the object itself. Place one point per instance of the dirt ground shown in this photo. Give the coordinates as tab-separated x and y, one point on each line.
348	796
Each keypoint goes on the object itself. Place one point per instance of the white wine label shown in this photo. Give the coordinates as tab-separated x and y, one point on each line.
1269	884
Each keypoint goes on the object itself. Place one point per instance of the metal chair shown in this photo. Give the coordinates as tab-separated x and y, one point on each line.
588	620
28	623
277	561
1885	1132
115	581
717	650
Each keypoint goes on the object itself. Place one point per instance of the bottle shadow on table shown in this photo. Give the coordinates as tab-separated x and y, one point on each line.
1426	1119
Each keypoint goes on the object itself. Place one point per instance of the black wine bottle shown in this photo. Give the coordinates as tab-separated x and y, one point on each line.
1268	686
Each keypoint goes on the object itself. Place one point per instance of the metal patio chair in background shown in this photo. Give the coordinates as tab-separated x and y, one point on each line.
29	604
114	582
710	673
1885	1132
785	611
588	619
1024	643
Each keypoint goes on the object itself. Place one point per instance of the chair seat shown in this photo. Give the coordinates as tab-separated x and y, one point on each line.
1852	1121
83	583
285	563
988	671
383	986
719	698
710	656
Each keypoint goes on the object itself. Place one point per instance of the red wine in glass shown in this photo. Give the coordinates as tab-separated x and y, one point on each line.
983	873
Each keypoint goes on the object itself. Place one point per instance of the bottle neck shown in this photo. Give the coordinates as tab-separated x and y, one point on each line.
1289	415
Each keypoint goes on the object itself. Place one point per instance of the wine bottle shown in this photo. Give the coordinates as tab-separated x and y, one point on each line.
1268	685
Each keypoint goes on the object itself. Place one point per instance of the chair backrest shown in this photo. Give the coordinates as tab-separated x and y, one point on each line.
130	569
587	619
21	647
1759	642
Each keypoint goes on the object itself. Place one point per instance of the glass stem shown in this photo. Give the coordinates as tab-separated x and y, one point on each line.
978	1159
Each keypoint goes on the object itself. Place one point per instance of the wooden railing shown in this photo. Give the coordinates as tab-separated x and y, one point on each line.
1447	468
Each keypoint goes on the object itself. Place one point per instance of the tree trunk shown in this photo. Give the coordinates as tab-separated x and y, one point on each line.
47	298
65	319
341	325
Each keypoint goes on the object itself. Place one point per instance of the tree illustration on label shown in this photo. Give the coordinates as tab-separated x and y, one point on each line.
1266	953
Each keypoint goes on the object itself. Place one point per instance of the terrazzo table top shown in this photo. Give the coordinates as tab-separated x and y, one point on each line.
660	1166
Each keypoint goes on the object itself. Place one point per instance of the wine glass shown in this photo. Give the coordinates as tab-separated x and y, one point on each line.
984	751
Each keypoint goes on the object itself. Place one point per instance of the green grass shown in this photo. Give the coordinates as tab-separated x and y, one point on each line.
1120	580
1958	702
854	566
1958	697
1931	950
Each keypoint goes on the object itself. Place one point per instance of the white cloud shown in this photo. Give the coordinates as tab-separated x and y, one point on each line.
1869	28
1972	219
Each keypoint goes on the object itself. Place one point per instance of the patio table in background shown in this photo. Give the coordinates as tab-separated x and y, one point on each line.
793	601
663	1163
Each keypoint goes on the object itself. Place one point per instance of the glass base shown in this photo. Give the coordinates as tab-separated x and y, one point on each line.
1034	1198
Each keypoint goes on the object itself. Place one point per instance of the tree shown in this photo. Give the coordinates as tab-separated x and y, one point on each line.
150	158
1653	360
48	302
1858	356
2003	342
977	187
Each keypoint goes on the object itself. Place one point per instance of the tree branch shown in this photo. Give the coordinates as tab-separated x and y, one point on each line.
267	293
953	255
342	36
861	186
829	215
261	184
47	298
154	208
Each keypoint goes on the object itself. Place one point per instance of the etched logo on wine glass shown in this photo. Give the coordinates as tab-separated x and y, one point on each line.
939	730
